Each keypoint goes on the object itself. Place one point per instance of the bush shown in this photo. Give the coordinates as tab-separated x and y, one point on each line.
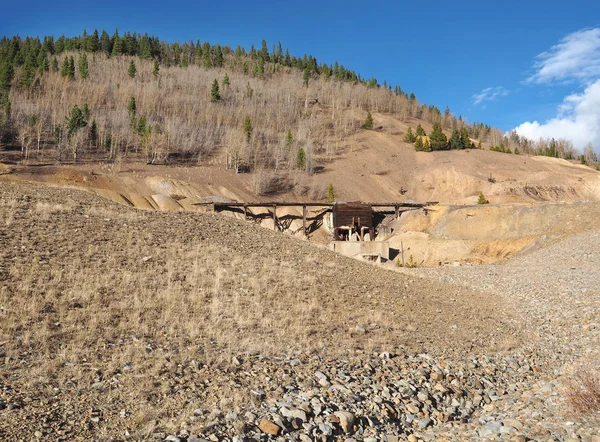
369	121
583	393
482	199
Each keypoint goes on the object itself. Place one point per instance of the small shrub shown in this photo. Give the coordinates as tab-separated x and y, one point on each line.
482	199
368	122
410	264
583	393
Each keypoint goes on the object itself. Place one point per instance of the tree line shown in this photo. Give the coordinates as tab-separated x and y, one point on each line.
101	96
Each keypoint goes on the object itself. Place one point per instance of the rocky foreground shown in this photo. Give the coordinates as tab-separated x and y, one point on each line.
120	325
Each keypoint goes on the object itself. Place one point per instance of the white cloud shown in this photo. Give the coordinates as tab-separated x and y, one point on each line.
575	57
489	94
578	120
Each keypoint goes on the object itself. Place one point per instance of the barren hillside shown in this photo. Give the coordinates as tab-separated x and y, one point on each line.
119	323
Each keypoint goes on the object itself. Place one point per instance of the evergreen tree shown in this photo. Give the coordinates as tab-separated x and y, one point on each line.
215	96
248	128
54	64
437	138
259	68
419	146
306	77
409	137
105	43
369	121
132	109
117	44
71	70
93	42
420	131
464	139
75	121
482	199
249	90
289	139
301	159
83	66
264	52
330	194
94	134
132	69
64	71
156	69
455	141
225	81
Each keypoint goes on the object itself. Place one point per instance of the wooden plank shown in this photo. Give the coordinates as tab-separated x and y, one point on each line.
275	217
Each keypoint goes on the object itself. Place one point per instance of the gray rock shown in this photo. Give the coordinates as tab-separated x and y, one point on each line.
490	429
424	423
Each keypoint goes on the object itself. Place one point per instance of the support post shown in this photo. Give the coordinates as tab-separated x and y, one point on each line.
304	220
275	217
402	252
397	211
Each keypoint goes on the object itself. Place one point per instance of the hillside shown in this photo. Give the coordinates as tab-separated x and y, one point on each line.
126	324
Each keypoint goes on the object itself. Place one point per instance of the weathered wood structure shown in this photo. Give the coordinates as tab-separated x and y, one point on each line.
348	218
352	220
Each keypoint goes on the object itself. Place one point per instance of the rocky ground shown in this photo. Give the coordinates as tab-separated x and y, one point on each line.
118	324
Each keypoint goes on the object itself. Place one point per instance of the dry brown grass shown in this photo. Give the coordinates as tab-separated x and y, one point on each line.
114	305
583	392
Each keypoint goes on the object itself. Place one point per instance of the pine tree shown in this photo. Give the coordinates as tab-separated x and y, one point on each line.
249	90
464	139
132	69
248	128
83	66
369	121
420	131
330	194
64	71
94	134
419	144
482	199
75	121
156	69
225	81
117	44
455	141
409	137
54	64
301	159
215	96
132	109
71	70
306	77
437	138
289	139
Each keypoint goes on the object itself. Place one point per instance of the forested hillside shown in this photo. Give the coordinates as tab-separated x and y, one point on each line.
133	96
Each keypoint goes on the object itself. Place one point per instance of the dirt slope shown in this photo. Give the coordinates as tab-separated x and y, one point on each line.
488	233
88	287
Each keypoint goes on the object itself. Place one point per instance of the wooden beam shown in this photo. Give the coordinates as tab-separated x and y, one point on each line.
275	217
304	219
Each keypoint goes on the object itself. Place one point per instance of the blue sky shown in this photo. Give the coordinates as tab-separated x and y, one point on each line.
481	58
